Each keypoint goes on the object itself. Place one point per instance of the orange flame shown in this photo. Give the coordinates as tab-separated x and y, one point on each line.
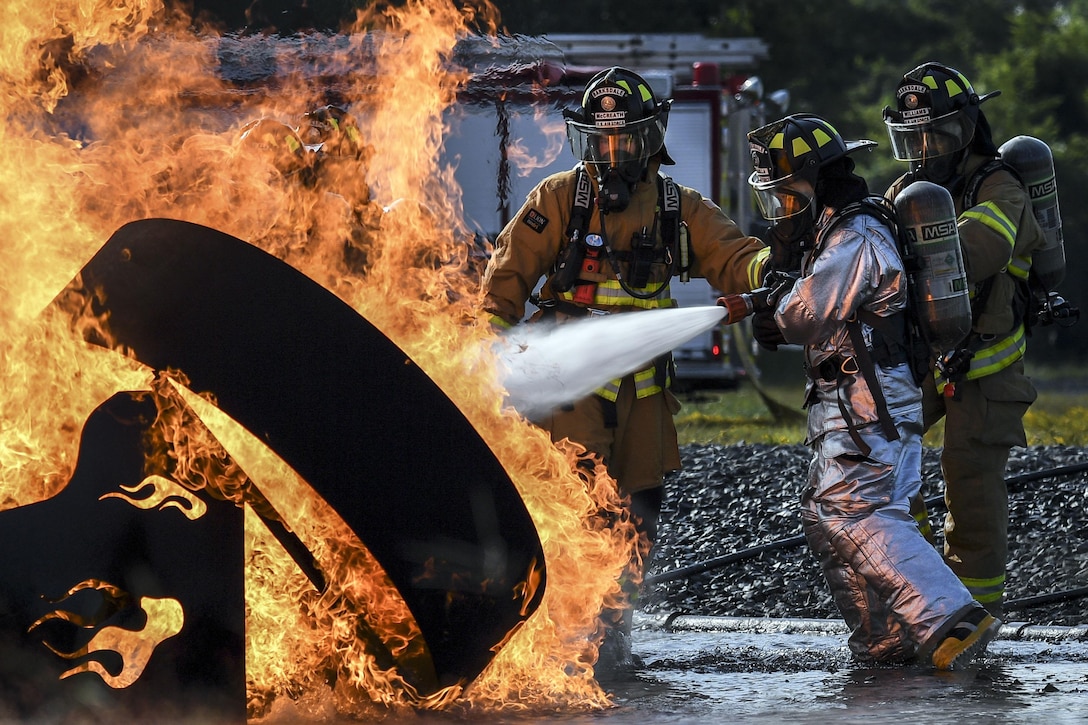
117	111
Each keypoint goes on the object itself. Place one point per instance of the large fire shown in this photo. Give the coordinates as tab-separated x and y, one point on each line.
116	111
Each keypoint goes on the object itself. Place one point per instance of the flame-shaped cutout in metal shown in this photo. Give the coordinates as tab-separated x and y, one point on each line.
340	403
114	599
164	619
159	605
164	494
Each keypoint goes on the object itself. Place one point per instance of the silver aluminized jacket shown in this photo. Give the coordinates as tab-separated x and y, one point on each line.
855	266
892	587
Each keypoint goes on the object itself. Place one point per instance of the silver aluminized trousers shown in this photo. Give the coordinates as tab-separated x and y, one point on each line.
892	587
894	590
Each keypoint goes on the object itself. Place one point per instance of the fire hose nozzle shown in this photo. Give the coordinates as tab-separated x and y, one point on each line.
740	305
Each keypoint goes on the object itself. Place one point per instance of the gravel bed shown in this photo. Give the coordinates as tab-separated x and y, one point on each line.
730	498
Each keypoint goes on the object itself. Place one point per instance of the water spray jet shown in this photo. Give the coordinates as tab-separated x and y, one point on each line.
549	365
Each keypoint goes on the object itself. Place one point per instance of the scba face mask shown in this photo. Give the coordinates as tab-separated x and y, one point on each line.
618	158
619	127
614	189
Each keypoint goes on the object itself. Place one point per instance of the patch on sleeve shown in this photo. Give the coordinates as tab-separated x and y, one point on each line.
535	220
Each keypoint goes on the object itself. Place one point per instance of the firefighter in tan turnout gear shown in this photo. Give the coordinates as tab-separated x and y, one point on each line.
980	389
839	288
610	235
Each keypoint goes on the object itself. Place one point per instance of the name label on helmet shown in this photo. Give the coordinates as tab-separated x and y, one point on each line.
761	161
609	119
917	115
607	90
912	88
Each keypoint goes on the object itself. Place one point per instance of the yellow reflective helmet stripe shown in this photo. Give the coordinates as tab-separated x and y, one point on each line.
800	145
644	93
951	87
823	138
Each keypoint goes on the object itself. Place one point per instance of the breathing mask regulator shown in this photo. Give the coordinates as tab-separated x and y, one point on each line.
618	129
616	177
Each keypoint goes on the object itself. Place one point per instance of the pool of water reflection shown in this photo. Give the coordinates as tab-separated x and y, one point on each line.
800	671
703	677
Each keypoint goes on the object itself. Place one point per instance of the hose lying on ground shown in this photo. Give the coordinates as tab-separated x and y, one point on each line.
798	539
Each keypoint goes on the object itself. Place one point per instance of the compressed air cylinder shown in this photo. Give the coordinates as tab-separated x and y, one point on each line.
1033	162
927	216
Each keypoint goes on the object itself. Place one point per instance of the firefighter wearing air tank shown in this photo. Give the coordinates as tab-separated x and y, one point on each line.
979	386
611	235
839	288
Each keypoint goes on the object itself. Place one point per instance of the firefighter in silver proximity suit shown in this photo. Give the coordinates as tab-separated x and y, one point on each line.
839	289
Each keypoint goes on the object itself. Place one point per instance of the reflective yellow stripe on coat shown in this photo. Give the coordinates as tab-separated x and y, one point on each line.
998	355
988	214
611	294
645	385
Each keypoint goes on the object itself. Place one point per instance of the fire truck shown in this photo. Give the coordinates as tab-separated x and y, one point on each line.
506	134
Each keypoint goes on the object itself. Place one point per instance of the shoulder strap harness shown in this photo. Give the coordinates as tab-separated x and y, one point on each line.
896	338
674	233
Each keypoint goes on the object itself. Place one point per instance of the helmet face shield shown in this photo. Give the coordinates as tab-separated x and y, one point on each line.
782	198
620	125
922	141
615	147
787	156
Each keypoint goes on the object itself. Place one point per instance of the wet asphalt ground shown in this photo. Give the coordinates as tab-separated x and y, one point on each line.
733	501
768	676
757	639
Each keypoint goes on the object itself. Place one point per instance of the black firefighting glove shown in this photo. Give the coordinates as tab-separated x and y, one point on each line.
777	285
765	330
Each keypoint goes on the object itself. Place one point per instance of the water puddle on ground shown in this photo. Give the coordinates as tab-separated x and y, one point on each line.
786	675
716	677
